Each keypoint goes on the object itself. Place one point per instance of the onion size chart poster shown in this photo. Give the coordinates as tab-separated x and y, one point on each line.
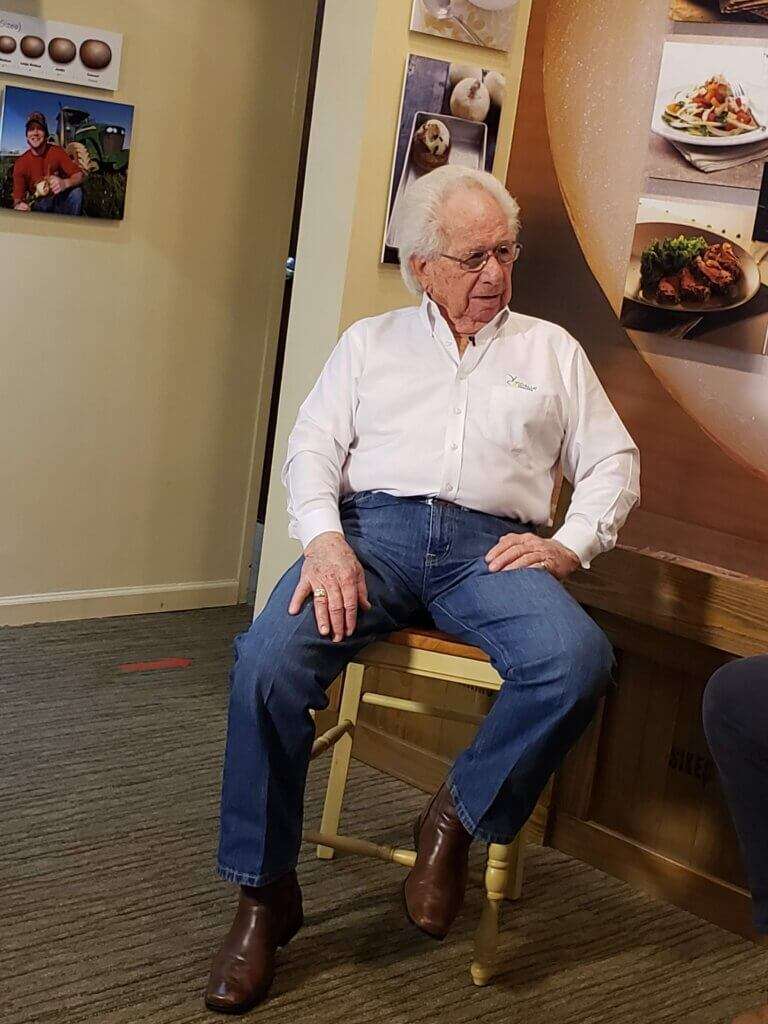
37	48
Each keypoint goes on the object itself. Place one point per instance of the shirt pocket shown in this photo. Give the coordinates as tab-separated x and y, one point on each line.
525	421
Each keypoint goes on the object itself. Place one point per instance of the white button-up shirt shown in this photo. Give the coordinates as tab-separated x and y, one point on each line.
397	409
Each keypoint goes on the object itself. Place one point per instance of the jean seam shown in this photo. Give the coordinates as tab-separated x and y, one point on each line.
503	838
426	562
477	632
452	533
247	878
297	622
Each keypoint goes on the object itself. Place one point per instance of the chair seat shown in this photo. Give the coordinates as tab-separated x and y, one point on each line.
422	639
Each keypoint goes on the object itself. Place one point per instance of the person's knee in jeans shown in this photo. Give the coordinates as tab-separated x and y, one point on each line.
727	708
70	202
587	662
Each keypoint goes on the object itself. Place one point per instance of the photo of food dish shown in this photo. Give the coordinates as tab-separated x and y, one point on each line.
489	23
710	118
703	11
689	271
718	109
696	284
449	114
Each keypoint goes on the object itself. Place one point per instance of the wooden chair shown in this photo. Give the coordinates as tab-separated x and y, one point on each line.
428	653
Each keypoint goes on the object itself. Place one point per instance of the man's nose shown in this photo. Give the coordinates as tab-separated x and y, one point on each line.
493	270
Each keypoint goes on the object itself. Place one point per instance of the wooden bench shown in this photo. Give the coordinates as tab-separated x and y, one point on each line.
423	652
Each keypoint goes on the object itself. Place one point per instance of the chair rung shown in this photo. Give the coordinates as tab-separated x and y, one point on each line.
415	707
346	844
328	739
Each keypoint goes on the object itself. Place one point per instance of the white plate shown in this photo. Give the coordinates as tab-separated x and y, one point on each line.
744	289
757	103
493	5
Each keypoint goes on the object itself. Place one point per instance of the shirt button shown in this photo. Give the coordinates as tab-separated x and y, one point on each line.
449	488
454	447
457	410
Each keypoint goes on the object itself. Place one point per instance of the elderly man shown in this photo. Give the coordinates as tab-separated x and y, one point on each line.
419	470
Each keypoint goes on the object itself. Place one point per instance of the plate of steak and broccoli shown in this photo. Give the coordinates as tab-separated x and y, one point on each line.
678	267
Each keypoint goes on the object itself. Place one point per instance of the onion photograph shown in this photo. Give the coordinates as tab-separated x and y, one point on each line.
64	154
449	114
59	51
710	118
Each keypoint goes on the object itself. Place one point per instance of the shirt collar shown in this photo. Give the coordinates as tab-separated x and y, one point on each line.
436	324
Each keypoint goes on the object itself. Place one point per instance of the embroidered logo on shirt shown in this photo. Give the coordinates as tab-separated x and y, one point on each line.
515	382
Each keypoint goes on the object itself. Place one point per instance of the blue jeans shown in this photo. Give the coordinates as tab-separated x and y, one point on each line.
69	202
736	723
419	557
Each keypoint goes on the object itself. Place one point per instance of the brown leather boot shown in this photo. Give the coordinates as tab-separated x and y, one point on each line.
244	968
434	889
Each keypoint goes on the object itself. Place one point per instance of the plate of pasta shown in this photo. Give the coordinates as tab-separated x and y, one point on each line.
717	112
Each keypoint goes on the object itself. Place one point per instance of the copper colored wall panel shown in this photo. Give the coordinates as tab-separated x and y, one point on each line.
579	149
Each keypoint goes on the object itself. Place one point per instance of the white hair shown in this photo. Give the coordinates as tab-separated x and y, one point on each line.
421	229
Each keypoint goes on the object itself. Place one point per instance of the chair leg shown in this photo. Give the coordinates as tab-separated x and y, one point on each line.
516	867
342	751
487	936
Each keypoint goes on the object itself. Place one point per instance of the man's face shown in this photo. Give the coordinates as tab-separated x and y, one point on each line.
35	136
473	221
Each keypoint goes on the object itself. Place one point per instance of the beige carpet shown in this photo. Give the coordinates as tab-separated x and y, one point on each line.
109	909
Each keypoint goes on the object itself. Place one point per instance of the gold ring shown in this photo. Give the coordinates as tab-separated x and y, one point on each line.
320	592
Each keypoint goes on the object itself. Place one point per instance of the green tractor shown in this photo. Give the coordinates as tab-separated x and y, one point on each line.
93	145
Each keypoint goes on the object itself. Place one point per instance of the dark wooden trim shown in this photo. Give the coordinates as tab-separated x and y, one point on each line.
402	760
426	771
574	783
701	603
707	897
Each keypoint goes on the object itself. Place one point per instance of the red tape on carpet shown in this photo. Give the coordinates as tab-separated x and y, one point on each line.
154	666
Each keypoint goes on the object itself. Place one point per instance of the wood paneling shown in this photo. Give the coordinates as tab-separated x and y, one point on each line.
662	877
443	739
656	783
638	796
709	605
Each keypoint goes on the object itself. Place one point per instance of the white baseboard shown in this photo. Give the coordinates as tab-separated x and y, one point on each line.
98	604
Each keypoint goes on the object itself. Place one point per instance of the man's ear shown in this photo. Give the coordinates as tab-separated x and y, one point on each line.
419	269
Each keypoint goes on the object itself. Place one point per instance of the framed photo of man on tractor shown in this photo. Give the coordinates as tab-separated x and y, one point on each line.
64	154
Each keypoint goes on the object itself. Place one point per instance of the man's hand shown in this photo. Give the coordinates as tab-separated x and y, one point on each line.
332	565
57	184
525	550
22	207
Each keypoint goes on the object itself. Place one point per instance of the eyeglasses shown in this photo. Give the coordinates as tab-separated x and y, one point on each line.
507	252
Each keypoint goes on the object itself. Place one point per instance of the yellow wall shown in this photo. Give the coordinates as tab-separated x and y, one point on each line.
364	85
134	353
333	164
370	287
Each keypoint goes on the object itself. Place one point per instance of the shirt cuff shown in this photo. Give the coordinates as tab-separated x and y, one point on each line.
581	538
312	524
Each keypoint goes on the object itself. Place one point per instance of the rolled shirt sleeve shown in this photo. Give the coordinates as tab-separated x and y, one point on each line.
602	462
319	443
